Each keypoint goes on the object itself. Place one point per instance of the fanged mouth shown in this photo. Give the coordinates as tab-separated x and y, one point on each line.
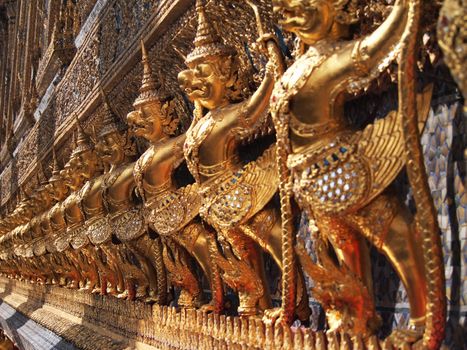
292	18
139	130
197	91
292	22
144	126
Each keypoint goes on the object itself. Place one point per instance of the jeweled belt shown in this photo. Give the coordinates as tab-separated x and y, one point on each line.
235	196
331	179
79	238
212	170
218	185
323	154
62	243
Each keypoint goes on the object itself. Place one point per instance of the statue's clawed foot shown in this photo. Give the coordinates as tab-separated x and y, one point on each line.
405	339
272	316
73	285
123	295
212	306
188	300
85	286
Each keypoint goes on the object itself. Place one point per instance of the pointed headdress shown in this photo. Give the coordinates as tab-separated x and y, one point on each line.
55	169
207	42
150	90
83	143
111	122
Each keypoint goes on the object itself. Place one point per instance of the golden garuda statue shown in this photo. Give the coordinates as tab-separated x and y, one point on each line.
236	198
125	215
171	210
340	176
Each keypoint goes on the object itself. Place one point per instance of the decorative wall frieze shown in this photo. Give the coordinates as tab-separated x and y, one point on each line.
75	91
89	19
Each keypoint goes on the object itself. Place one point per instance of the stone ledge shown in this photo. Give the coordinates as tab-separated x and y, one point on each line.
31	318
27	334
97	322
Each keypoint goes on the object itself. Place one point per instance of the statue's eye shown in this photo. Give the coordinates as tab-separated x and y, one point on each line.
203	70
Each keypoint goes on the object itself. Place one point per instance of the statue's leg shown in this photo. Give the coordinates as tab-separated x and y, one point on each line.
142	269
180	273
345	253
78	264
59	268
123	274
133	266
150	252
48	270
61	263
130	290
242	267
388	225
98	257
201	243
349	246
93	269
114	272
87	267
265	228
50	261
73	272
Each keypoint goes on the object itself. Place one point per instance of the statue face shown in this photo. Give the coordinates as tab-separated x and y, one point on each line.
111	148
145	121
57	189
42	195
310	20
86	164
70	174
206	82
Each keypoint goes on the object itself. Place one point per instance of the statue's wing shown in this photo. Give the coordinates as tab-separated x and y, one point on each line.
382	145
243	194
262	175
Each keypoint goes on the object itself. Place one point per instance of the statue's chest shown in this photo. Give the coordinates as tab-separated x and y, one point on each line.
93	197
72	209
154	169
292	83
198	136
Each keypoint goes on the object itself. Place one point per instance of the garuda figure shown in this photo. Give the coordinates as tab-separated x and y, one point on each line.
57	190
340	176
171	210
235	197
82	166
90	236
136	253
